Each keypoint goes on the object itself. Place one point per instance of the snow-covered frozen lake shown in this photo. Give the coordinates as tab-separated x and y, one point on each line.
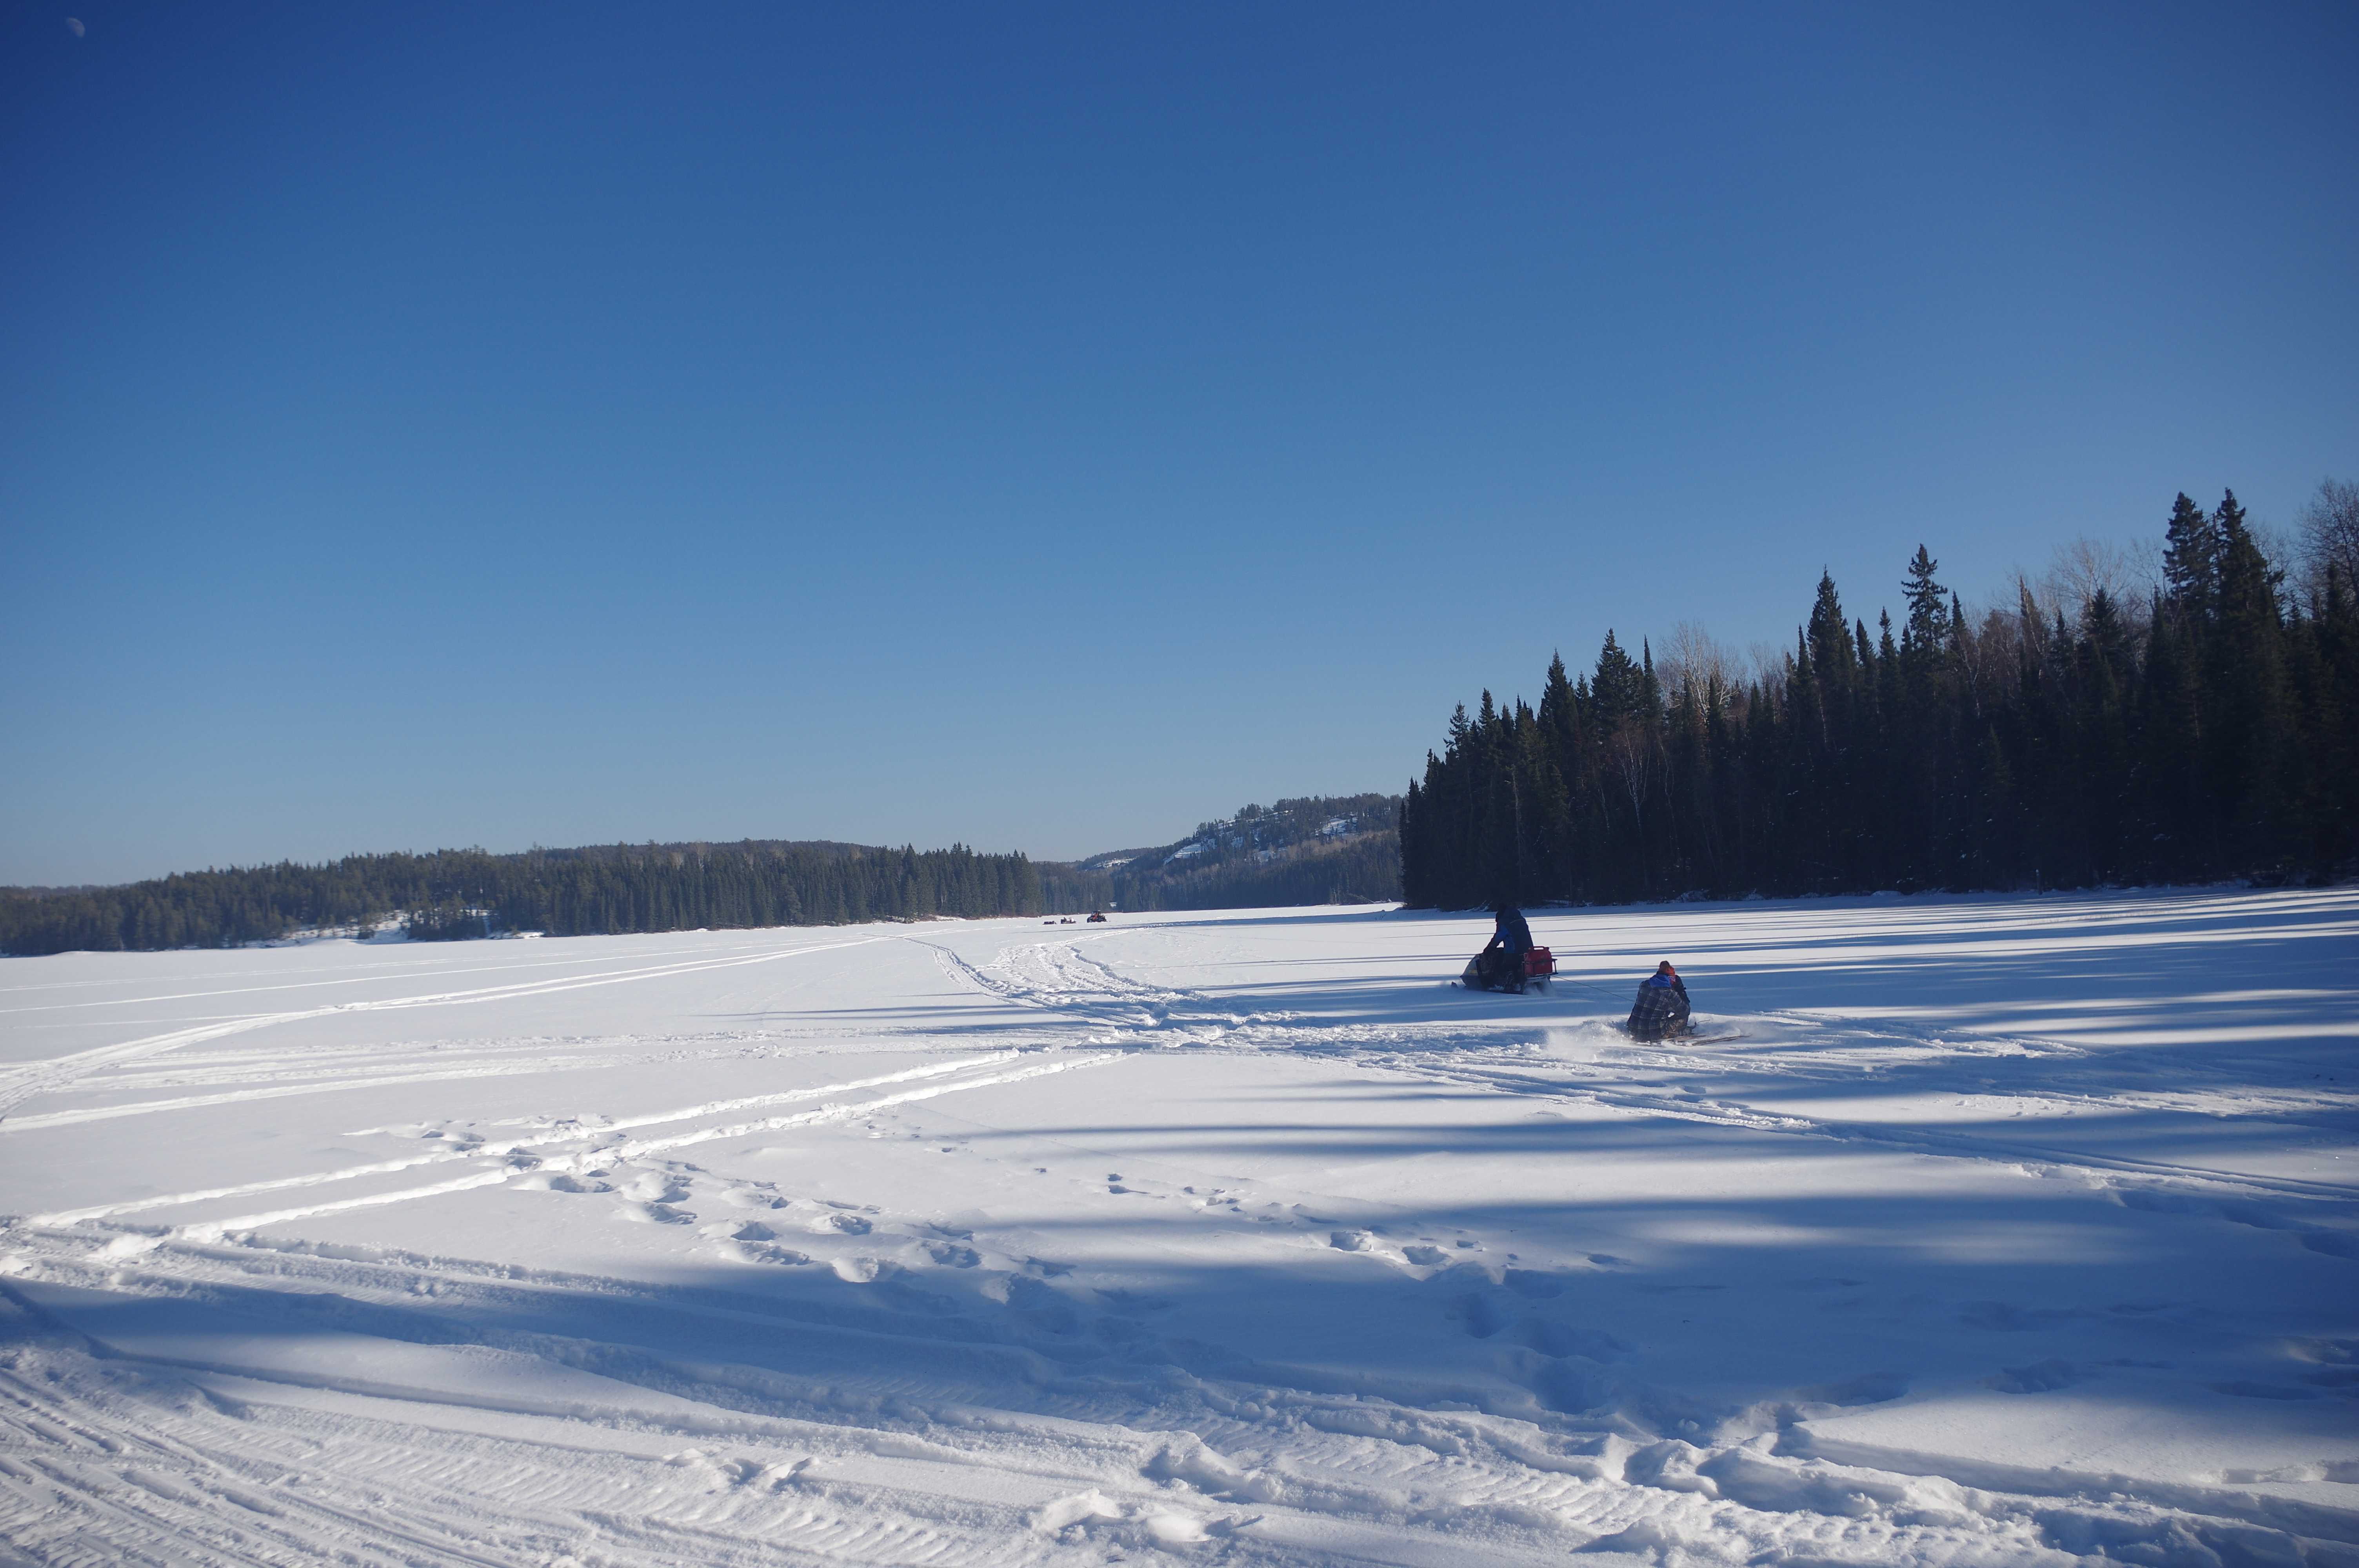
2005	1230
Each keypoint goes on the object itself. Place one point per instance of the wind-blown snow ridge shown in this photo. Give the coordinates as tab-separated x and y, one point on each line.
2003	1232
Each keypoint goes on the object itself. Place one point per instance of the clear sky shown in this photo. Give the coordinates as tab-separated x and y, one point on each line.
1047	427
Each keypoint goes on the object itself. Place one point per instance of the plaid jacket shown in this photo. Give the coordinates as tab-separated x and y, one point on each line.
1659	1010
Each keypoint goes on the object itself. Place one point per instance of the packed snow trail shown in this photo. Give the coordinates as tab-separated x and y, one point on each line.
2008	1231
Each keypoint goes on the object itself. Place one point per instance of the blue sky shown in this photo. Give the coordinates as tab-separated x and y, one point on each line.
1046	427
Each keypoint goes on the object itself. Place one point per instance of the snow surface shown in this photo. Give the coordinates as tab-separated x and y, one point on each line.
2007	1230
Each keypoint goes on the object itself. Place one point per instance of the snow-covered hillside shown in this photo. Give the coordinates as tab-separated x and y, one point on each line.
2005	1231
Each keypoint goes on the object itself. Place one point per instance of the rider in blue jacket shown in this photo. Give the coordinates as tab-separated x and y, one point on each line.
1501	962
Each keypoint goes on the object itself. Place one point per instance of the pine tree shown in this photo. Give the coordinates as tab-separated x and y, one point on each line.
2190	562
1924	637
1618	691
2246	681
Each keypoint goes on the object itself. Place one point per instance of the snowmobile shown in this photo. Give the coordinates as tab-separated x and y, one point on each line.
1495	970
1685	1035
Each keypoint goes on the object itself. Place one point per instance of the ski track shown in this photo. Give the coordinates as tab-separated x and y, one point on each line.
1729	1109
903	1391
572	1149
19	1083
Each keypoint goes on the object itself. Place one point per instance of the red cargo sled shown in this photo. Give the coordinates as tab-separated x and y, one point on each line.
1489	970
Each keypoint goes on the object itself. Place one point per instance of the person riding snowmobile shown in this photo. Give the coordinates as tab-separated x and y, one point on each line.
1661	1010
1500	964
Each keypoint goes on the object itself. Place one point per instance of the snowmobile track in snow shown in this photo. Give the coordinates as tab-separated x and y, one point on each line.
675	1257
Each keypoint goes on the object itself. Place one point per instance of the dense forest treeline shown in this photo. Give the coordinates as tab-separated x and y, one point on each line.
468	892
2206	729
1317	849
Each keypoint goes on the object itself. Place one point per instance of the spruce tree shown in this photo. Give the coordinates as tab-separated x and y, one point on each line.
2244	670
2190	562
1618	690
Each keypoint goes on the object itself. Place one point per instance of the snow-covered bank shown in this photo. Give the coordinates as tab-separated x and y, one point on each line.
2008	1231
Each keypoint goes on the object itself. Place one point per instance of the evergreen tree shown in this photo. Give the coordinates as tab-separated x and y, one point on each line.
2190	562
2247	694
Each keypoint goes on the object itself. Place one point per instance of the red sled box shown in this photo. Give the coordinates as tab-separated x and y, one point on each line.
1538	963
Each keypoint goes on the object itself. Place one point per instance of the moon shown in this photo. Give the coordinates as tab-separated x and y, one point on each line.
73	26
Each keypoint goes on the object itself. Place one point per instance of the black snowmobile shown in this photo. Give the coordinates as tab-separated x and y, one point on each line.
1509	962
1490	971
